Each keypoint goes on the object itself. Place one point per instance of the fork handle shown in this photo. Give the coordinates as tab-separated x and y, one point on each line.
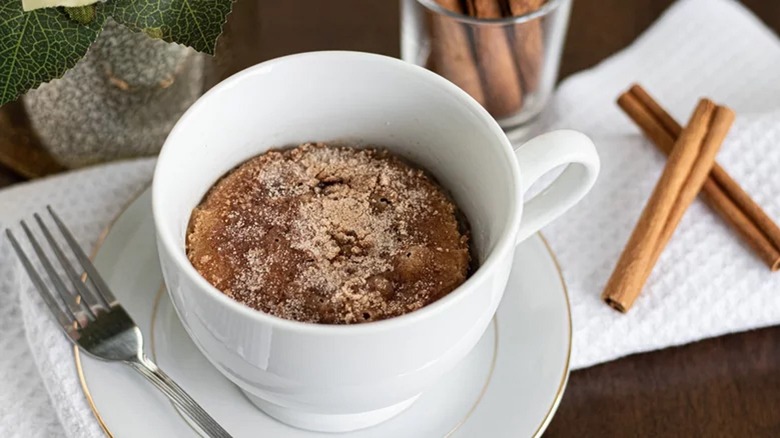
178	396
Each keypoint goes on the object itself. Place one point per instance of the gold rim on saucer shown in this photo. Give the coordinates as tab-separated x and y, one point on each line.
545	421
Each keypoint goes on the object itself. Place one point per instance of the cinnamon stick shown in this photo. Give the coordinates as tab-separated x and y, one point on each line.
723	179
528	43
451	53
500	78
721	123
720	192
635	262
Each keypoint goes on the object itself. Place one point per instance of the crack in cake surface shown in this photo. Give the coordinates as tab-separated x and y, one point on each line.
329	234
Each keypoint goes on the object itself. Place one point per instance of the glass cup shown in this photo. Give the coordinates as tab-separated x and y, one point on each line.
509	65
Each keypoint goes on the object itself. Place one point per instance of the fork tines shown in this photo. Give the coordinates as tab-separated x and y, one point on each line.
89	295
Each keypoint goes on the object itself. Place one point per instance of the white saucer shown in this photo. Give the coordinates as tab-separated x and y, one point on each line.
509	385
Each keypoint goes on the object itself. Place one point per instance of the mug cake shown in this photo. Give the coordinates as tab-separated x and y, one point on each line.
331	235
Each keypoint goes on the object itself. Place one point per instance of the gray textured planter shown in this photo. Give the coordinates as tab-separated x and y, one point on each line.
120	101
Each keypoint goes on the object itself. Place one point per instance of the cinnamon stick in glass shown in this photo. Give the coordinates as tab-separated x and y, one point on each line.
529	47
451	52
720	192
690	161
500	79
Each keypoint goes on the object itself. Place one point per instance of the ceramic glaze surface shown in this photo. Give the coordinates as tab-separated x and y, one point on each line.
304	373
507	386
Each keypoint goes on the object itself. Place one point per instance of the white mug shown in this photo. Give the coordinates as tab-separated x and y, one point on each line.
345	377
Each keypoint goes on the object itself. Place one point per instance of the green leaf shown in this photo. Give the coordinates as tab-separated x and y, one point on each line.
38	46
154	32
194	23
82	14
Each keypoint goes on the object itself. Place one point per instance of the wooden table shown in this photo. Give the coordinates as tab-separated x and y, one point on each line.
726	386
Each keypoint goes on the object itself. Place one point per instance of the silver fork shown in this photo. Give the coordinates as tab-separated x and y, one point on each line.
91	317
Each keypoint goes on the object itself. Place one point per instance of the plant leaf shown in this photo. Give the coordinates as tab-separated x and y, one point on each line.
195	23
40	45
81	14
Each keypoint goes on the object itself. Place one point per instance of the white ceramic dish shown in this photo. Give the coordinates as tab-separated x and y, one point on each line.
338	378
508	386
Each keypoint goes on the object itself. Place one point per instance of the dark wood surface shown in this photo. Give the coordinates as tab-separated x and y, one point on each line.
727	386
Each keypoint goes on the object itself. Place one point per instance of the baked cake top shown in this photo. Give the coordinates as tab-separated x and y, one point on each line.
329	234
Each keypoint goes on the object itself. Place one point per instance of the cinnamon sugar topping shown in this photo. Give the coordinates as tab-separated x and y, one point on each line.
329	235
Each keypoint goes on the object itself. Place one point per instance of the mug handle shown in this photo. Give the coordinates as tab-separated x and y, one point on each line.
543	154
